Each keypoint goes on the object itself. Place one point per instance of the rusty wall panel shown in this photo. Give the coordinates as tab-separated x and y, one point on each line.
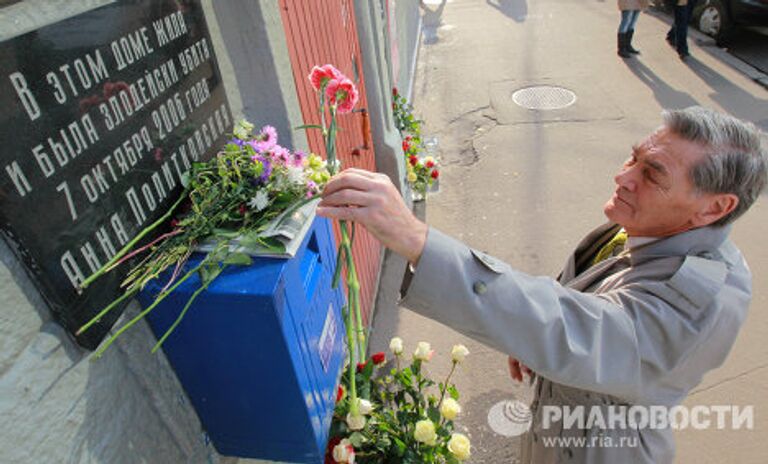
320	32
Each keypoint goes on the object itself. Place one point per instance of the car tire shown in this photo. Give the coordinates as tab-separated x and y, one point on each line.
715	21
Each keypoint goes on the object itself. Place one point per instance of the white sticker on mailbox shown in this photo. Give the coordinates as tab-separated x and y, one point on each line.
327	338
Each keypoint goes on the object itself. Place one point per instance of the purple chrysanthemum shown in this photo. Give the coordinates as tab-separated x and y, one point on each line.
266	169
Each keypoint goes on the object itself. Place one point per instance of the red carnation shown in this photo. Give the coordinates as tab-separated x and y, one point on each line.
430	164
339	393
379	357
321	75
361	366
406	146
435	174
413	160
394	91
408	138
342	93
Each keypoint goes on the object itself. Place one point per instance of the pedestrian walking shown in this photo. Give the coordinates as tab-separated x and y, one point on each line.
630	11
677	36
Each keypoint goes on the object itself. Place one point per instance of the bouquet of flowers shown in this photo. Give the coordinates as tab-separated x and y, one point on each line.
403	416
421	171
239	193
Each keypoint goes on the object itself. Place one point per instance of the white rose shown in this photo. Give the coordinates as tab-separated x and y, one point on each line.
459	446
364	407
425	432
458	353
423	351
396	346
344	452
450	408
356	421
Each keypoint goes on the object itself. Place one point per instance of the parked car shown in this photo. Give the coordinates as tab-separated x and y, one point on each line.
719	18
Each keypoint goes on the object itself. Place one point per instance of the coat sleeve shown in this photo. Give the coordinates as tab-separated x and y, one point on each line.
612	343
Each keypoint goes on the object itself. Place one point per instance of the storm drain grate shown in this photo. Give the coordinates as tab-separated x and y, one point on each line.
544	97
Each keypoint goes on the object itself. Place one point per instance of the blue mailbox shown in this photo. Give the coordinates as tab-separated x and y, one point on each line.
260	351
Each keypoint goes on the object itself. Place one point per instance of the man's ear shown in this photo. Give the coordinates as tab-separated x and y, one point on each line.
716	206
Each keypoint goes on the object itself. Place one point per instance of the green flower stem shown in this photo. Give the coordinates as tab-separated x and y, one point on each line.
104	311
141	315
186	307
133	243
353	285
352	365
445	385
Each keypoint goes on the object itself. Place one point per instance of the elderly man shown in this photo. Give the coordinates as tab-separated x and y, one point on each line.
646	305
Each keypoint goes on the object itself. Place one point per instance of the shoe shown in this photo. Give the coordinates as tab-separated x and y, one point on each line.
683	55
671	39
628	45
622	46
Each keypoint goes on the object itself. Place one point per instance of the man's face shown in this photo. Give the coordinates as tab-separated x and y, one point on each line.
654	196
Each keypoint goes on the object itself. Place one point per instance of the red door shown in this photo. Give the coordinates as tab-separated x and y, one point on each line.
320	32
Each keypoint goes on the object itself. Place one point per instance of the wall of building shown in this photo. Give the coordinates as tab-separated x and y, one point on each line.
56	403
59	405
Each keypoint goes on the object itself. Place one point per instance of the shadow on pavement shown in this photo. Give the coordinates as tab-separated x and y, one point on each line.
666	95
432	19
514	9
731	97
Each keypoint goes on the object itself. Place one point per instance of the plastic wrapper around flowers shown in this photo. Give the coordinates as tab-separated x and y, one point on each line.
247	192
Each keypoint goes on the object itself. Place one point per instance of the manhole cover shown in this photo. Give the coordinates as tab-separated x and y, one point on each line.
544	97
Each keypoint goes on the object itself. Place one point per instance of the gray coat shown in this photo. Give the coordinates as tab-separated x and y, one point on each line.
640	328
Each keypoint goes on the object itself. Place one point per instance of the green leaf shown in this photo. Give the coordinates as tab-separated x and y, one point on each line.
357	439
453	392
400	446
309	126
239	259
225	233
433	414
451	459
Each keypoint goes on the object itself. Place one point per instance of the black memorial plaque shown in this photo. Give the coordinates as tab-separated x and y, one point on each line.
100	115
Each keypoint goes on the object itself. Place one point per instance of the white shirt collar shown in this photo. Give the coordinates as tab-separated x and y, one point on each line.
634	242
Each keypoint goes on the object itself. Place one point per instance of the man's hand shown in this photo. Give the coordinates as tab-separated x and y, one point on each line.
517	369
372	200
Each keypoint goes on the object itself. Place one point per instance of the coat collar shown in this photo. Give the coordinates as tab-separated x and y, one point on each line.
703	240
579	274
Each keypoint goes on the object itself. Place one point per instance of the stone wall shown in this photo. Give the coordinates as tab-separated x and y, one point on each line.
59	405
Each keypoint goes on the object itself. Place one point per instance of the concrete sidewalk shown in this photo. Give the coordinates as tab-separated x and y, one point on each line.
526	185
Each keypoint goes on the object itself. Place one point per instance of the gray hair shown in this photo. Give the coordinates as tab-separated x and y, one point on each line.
736	155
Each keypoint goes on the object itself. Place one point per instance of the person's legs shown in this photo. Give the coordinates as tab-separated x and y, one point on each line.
626	19
631	32
681	30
